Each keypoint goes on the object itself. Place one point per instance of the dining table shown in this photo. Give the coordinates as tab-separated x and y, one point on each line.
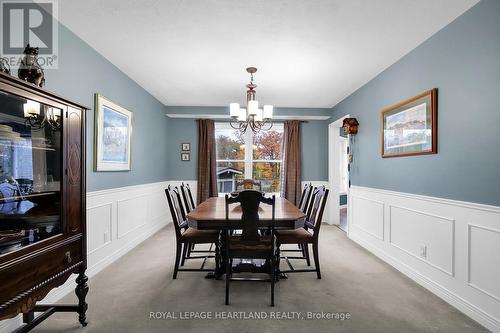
211	215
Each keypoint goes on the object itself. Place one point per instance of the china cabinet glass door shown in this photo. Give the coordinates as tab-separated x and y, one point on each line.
30	172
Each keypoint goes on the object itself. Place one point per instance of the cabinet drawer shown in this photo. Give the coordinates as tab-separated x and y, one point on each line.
39	268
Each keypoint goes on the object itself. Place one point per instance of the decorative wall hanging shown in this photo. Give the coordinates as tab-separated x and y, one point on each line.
350	125
113	134
410	127
186	147
185	157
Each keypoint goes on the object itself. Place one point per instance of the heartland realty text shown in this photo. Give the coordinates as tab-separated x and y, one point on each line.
252	315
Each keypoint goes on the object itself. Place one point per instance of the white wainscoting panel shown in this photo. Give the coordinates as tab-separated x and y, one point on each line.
410	230
133	213
117	220
483	274
450	247
100	228
368	216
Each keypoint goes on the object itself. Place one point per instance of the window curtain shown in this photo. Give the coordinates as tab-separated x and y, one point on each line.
207	174
291	176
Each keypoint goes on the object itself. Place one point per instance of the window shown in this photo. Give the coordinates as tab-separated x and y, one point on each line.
248	156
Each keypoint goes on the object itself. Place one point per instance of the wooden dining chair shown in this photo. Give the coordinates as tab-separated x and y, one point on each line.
186	236
251	244
305	204
304	198
306	236
188	197
188	207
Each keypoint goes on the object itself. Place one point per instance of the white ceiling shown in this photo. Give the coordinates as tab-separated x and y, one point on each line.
310	53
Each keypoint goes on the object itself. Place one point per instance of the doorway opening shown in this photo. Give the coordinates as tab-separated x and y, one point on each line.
344	179
338	173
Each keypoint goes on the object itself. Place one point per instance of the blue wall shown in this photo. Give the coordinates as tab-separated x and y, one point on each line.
314	141
463	62
81	73
180	131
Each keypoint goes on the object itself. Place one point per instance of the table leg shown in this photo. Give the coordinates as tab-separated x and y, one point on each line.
220	258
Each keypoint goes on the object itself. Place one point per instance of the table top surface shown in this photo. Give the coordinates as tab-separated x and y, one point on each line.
213	209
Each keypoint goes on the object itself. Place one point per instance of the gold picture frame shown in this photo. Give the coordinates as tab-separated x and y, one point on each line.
410	127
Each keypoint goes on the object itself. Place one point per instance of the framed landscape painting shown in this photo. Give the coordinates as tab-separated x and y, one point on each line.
113	134
410	127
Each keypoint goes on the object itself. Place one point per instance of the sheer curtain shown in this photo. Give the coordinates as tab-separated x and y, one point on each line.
291	177
207	174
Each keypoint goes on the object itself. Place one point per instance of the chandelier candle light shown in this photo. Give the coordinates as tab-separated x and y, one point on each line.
253	117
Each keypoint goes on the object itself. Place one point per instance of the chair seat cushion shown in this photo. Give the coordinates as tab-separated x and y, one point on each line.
296	236
192	235
239	248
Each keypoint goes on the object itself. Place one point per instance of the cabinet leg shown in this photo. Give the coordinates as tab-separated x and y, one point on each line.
81	291
28	317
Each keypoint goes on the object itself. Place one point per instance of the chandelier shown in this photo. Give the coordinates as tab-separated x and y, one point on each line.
253	117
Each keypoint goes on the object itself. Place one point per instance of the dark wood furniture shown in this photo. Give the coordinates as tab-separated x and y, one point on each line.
251	243
305	236
186	236
187	195
189	205
46	133
304	205
304	198
211	215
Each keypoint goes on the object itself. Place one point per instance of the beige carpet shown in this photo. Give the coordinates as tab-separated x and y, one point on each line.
377	297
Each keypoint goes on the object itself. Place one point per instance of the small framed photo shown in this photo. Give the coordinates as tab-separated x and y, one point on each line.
185	157
186	147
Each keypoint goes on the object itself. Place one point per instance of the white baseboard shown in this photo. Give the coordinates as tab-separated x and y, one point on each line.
459	265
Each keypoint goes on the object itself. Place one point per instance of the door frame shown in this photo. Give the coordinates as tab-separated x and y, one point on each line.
333	170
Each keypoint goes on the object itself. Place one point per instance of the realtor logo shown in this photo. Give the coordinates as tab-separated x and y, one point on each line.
27	22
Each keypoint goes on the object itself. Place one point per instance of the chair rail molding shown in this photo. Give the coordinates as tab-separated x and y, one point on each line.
450	247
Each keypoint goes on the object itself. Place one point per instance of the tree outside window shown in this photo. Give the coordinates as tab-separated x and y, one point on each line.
248	156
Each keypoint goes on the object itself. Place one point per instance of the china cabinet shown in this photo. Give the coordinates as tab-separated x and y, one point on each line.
42	200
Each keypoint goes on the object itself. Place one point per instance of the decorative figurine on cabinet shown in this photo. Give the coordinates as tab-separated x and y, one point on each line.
4	66
30	70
